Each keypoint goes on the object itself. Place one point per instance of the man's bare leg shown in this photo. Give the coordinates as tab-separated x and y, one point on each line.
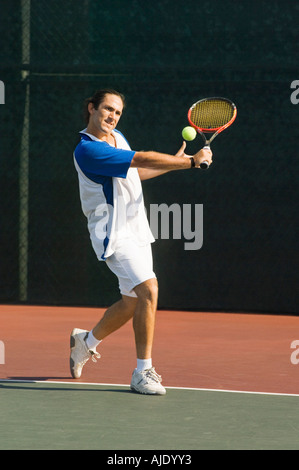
144	317
143	311
145	379
115	317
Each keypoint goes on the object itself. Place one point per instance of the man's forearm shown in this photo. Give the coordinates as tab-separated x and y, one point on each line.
148	173
160	161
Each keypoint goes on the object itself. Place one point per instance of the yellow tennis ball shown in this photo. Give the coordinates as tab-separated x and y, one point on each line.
189	133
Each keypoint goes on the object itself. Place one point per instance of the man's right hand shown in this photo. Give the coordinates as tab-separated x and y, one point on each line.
204	155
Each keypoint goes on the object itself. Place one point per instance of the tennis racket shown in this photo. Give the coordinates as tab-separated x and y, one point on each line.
211	115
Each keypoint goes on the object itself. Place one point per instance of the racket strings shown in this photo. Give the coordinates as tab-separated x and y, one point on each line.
212	114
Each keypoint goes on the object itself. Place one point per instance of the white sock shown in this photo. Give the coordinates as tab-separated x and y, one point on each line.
143	364
91	341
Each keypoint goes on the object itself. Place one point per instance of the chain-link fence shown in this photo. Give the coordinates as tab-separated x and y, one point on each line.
163	57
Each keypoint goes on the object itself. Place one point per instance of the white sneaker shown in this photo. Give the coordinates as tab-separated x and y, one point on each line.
147	382
80	354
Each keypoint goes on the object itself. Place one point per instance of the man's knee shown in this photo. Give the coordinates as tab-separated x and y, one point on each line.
148	290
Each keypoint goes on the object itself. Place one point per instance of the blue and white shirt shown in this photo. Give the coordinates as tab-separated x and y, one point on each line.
111	193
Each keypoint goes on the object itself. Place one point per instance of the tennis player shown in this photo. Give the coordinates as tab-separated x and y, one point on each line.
110	175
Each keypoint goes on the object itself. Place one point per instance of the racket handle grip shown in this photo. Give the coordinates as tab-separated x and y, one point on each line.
205	165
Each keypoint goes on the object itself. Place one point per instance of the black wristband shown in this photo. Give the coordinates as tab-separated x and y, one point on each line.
192	162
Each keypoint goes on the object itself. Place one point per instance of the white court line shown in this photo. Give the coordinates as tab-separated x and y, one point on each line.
170	388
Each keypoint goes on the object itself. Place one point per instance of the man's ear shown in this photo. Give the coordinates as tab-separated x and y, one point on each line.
90	107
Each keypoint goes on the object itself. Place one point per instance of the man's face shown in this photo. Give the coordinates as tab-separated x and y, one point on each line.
106	117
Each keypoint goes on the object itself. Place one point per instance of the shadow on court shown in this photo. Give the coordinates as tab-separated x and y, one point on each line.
50	387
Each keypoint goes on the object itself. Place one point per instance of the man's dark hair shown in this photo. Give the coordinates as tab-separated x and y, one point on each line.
97	99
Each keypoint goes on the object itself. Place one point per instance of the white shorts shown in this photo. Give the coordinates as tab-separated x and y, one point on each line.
132	264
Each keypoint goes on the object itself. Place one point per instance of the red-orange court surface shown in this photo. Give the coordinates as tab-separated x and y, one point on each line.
205	350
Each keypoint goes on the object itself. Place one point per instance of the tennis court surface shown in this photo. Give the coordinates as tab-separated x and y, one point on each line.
232	383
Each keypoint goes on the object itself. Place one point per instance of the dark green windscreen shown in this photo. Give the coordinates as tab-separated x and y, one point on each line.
163	56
